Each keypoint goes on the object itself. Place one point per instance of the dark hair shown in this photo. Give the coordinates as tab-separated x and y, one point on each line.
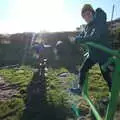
87	7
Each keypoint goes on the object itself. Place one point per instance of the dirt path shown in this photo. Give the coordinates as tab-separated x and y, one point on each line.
7	90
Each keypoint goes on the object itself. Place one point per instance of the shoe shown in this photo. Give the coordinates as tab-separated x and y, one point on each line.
76	91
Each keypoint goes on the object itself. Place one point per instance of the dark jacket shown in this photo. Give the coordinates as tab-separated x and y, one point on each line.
96	31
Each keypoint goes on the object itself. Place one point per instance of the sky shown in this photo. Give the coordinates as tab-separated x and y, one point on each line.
48	15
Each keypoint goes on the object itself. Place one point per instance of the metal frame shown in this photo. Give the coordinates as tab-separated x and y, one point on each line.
111	108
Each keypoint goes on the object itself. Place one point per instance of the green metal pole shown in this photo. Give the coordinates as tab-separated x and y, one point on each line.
97	115
85	87
76	110
115	92
105	49
86	97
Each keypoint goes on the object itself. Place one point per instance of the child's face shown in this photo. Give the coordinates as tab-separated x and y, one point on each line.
88	16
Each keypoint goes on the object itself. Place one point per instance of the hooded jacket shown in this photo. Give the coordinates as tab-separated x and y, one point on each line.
96	31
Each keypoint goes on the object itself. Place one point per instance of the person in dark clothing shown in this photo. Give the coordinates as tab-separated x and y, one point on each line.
95	31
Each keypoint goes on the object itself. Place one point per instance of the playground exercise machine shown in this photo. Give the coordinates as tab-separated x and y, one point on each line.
112	105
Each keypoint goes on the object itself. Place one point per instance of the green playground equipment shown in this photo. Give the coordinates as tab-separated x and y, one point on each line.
112	105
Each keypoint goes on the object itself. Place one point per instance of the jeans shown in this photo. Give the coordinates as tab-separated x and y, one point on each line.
87	65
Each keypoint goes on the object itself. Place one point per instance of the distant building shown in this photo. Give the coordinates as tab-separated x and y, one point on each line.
114	25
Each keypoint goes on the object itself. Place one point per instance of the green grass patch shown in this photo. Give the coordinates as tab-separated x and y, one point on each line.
56	89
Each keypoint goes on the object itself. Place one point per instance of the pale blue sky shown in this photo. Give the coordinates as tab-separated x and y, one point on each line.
49	15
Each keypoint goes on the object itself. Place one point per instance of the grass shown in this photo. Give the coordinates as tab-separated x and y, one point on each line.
12	109
97	85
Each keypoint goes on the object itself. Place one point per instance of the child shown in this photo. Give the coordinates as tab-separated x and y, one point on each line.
95	31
